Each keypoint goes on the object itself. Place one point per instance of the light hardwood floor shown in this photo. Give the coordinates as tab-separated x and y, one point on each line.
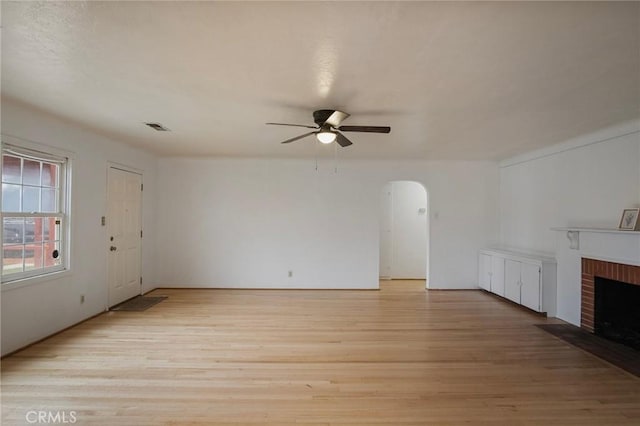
401	355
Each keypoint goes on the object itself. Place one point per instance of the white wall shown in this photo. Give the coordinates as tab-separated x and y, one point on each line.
38	310
403	238
247	222
584	182
585	186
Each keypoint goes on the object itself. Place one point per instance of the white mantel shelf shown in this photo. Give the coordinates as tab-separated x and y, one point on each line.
600	230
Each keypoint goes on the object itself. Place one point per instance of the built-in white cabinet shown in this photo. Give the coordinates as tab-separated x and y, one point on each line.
484	280
512	280
523	283
491	273
497	275
522	278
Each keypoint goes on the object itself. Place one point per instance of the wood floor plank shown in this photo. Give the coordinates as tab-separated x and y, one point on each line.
401	355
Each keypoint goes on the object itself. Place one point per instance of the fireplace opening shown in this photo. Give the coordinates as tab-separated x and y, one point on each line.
617	311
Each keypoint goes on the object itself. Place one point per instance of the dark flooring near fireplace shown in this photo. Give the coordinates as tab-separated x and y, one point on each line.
619	355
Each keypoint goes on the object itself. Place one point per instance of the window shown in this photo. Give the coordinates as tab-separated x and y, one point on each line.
34	215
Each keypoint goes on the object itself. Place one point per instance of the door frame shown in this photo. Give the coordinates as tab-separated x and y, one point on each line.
129	169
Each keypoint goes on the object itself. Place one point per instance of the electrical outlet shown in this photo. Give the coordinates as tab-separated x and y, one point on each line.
82	298
290	274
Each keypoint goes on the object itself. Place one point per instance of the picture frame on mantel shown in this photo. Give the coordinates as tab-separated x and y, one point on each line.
630	220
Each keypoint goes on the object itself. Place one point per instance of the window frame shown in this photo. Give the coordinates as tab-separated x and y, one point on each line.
37	152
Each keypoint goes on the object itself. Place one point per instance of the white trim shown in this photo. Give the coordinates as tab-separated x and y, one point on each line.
124	168
25	275
43	157
65	159
599	230
38	279
36	146
603	135
24	214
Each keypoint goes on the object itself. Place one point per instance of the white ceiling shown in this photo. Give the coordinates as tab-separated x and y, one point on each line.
453	80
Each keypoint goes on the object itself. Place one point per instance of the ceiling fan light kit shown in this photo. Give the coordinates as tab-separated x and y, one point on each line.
328	127
326	137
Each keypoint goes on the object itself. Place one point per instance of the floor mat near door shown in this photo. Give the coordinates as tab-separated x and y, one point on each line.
138	303
619	355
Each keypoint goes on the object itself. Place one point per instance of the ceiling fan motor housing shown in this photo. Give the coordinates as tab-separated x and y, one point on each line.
322	115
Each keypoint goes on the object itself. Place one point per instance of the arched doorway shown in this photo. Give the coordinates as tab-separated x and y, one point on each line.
404	232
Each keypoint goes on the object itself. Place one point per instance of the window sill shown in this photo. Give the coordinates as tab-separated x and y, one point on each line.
25	282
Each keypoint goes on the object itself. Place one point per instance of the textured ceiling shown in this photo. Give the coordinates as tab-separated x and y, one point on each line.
453	80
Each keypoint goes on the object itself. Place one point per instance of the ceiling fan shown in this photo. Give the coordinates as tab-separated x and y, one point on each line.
327	126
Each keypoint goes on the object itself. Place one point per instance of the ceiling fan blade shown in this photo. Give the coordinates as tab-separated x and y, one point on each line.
294	125
342	140
336	118
299	137
368	129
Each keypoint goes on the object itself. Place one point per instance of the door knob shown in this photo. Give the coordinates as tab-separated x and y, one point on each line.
113	248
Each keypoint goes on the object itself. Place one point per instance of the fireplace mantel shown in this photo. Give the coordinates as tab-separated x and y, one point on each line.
598	230
575	243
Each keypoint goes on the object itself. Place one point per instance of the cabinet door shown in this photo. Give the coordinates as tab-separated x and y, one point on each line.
484	278
497	275
512	280
530	289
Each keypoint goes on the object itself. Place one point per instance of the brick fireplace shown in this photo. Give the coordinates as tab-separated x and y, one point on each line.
591	269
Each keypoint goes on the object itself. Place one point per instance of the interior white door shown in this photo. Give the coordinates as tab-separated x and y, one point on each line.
530	289
124	208
512	280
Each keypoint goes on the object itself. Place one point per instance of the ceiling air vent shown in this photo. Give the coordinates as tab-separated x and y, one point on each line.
157	126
